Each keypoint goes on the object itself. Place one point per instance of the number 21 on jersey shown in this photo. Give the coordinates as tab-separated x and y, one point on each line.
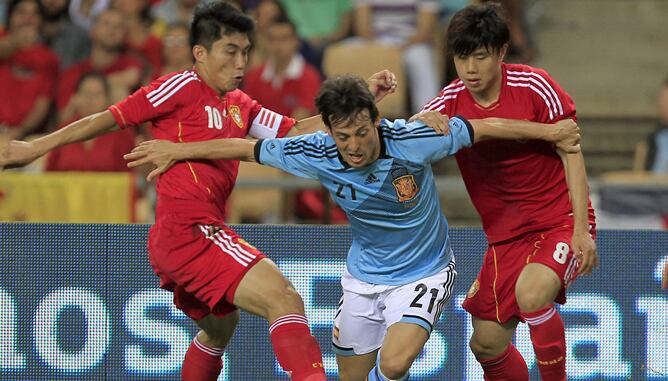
215	119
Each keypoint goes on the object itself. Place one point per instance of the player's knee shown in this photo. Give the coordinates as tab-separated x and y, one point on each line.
285	299
219	334
532	298
394	366
485	347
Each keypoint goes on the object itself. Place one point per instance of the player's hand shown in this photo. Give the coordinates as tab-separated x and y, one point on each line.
664	278
584	248
382	83
433	119
161	153
566	136
16	154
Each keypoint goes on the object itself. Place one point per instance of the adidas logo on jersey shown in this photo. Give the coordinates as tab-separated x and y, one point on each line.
371	179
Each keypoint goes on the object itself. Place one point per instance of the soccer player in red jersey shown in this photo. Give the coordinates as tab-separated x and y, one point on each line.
532	199
210	270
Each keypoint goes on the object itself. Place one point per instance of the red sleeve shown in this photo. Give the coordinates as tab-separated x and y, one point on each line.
550	101
162	97
309	89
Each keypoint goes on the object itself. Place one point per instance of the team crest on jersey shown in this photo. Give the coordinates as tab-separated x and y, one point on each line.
235	113
474	289
404	184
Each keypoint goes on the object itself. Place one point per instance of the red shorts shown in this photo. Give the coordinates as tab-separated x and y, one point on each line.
201	264
492	294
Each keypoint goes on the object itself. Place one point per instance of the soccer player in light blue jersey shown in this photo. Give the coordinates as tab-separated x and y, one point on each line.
400	267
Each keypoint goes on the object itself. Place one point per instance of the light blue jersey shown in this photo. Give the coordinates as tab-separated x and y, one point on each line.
399	233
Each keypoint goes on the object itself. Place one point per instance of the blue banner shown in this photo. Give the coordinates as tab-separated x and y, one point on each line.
80	302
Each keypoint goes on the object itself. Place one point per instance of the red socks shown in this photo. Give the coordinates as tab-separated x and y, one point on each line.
509	366
549	342
296	350
202	363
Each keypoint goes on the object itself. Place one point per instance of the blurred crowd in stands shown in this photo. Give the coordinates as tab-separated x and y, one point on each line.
64	59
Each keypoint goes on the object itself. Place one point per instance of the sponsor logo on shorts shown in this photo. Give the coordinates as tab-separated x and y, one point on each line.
474	289
235	112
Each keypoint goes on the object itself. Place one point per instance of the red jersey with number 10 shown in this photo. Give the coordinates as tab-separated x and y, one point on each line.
516	186
182	108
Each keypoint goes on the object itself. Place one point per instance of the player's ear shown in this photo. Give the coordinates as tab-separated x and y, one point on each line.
200	53
503	51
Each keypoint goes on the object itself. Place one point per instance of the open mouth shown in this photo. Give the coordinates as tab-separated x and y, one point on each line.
355	158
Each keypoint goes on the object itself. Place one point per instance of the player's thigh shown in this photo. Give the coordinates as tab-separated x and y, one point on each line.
537	287
265	291
219	330
490	338
421	302
356	368
403	343
560	268
359	326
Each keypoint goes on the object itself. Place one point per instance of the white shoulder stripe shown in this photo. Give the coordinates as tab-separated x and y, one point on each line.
182	83
552	102
165	90
168	82
537	91
447	93
547	85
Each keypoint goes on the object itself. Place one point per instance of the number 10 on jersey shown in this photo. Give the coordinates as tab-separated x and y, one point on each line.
215	119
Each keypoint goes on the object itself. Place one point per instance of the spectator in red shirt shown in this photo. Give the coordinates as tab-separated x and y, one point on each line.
107	57
285	82
139	41
102	154
27	71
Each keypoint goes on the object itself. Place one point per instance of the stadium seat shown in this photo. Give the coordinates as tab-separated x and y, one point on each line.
364	59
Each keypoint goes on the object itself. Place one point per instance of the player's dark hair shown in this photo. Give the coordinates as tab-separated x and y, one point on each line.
342	98
475	27
213	19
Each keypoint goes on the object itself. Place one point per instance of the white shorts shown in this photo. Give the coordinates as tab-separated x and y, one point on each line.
367	310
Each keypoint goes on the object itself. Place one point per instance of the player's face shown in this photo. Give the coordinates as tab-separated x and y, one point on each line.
357	140
481	72
222	67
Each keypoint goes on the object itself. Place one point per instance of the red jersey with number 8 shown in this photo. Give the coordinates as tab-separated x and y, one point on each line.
516	186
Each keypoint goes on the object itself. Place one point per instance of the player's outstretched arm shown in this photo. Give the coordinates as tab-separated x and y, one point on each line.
582	244
565	134
19	153
163	154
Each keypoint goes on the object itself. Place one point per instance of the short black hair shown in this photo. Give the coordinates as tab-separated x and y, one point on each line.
213	19
475	27
343	98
